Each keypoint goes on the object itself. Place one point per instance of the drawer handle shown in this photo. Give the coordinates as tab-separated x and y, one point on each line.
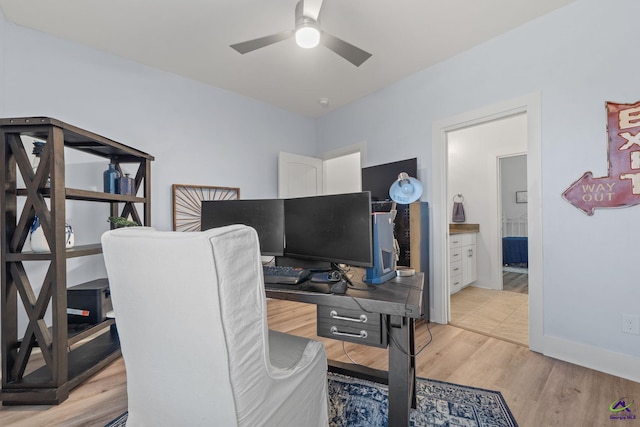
456	269
334	331
361	319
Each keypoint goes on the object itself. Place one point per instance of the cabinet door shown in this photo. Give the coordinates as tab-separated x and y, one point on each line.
469	269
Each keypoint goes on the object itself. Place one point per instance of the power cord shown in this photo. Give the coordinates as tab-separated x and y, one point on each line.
387	327
347	278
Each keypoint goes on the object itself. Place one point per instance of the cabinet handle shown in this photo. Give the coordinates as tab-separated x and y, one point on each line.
334	331
470	253
361	319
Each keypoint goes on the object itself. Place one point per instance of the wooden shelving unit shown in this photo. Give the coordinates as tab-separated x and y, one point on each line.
67	355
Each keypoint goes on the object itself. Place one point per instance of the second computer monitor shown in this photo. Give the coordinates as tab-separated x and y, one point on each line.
334	228
265	216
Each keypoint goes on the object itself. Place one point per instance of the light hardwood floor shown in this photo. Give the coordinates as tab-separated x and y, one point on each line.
539	390
498	314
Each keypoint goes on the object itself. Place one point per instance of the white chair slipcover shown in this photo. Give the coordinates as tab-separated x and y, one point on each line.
190	309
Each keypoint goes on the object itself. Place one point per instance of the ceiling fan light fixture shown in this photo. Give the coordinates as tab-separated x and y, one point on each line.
308	35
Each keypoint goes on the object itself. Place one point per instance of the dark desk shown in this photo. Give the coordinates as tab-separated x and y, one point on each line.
397	303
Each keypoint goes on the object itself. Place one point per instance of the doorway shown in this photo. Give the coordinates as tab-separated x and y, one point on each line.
530	106
475	154
514	230
335	172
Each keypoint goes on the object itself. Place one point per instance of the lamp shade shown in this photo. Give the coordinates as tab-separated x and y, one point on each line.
405	190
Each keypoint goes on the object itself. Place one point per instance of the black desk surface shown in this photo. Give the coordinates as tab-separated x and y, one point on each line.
400	296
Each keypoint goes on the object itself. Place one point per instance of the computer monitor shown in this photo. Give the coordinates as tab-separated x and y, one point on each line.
333	228
377	179
265	216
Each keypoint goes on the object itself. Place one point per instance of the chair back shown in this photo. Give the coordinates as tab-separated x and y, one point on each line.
186	306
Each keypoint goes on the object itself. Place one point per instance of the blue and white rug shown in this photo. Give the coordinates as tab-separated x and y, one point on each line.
359	403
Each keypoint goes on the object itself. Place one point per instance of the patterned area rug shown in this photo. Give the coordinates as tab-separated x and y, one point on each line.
360	403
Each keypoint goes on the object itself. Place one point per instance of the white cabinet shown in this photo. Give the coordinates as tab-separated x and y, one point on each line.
468	253
455	263
462	260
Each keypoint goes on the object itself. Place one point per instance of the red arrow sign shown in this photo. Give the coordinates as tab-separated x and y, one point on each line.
621	187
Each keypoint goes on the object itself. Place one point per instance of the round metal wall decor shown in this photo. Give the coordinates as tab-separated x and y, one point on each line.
187	203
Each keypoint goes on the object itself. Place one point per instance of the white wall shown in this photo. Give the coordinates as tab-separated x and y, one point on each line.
198	134
576	58
513	178
473	172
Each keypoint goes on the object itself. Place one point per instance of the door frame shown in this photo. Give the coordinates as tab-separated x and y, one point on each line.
530	105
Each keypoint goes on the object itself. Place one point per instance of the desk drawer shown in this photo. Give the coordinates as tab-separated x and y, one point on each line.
351	325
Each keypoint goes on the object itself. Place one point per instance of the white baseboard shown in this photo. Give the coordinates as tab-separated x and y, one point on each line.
618	364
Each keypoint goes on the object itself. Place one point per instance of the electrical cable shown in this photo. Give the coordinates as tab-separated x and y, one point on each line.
346	353
387	327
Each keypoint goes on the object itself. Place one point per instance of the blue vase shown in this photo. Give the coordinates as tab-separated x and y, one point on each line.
111	177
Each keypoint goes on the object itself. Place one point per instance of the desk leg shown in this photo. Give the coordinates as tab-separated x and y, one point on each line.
402	374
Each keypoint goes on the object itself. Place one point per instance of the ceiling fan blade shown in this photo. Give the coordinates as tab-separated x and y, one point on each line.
348	51
251	45
311	8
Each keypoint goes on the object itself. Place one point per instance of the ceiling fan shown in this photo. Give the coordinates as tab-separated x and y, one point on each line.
308	34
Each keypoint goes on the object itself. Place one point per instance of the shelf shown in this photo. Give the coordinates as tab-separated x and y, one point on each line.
78	332
74	137
68	355
82	363
89	196
76	251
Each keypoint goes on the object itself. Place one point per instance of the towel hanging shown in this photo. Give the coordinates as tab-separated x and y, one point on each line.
458	209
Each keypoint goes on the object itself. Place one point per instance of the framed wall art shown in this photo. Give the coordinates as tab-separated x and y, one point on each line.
521	197
187	203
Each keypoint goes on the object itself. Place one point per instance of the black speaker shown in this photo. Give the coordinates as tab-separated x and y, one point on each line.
88	302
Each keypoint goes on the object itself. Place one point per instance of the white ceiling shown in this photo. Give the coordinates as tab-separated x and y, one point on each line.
192	37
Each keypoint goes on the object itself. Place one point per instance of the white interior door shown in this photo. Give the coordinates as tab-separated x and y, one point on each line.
299	176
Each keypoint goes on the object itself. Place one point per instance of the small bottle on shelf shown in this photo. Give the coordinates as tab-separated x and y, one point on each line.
111	177
125	185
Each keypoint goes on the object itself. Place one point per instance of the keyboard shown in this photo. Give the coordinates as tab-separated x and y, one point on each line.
284	275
